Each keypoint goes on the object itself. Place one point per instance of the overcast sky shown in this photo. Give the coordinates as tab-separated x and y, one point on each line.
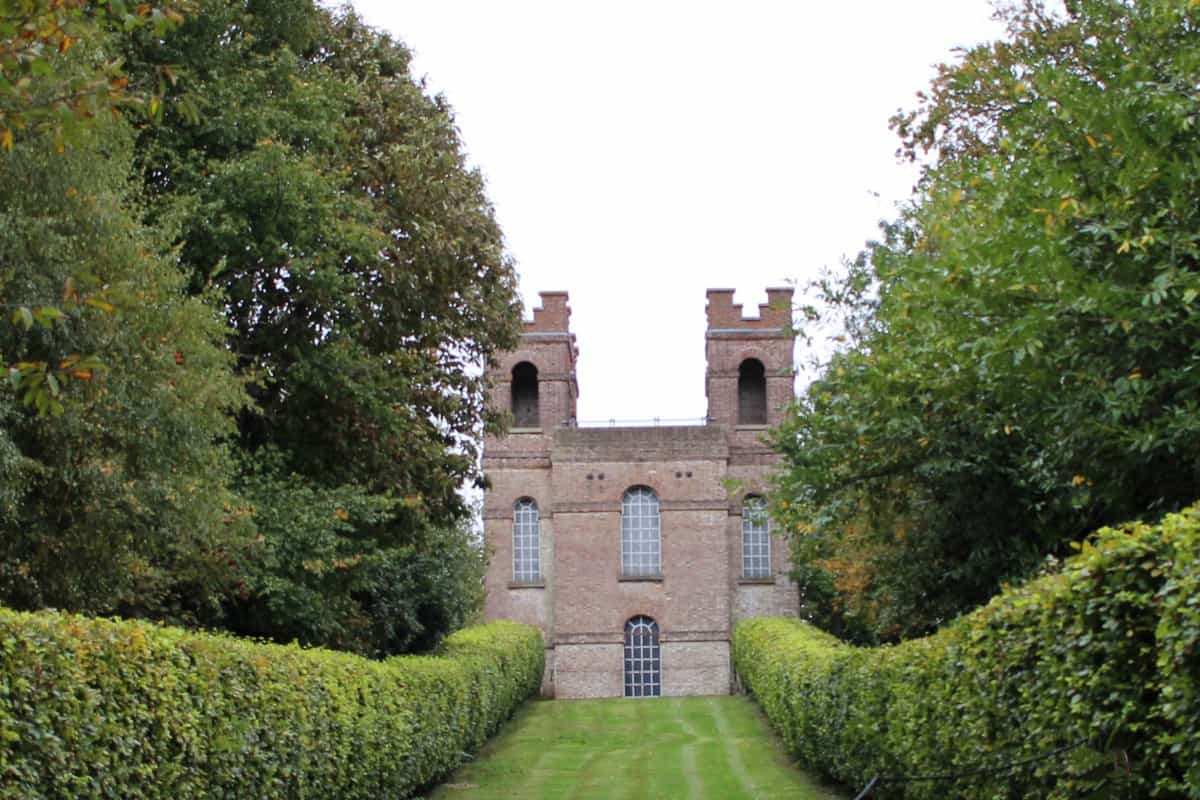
639	153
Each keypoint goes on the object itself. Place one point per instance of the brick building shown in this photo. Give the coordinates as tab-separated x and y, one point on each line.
636	549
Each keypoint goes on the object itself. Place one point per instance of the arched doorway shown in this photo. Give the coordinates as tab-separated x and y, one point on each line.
643	660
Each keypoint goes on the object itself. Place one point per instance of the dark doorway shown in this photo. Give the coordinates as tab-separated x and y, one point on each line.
752	393
525	396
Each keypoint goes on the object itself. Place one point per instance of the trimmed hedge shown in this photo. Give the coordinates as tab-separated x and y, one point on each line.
100	708
1106	650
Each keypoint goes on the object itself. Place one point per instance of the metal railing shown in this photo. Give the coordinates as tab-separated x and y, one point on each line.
650	422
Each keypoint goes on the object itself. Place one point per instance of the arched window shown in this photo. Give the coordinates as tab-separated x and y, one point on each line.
640	544
756	538
527	540
752	393
525	396
643	662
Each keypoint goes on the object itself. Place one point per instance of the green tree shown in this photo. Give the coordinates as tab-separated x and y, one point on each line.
120	504
1023	350
325	196
332	570
57	80
41	92
285	317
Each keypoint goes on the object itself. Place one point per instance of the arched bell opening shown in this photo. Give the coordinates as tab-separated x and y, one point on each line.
525	396
752	393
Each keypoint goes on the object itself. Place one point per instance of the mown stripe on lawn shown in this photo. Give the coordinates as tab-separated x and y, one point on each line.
691	748
732	749
687	751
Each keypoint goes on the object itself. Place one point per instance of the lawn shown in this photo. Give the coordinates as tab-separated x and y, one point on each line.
699	748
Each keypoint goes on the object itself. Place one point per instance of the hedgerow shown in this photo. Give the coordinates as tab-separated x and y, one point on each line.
101	708
1103	652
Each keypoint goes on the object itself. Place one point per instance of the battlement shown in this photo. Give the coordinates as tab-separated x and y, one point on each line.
552	316
724	314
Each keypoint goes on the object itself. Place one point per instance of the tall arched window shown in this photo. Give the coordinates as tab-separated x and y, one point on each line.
527	542
756	538
643	662
640	544
525	396
752	393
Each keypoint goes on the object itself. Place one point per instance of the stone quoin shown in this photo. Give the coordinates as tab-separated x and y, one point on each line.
636	549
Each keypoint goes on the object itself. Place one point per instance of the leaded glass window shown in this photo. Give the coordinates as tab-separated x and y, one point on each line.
640	541
527	561
643	659
756	539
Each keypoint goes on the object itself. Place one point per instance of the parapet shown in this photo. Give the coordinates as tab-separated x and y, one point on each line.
724	314
552	316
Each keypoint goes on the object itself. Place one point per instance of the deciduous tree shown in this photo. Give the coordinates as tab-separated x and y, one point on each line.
57	81
1023	362
120	503
325	195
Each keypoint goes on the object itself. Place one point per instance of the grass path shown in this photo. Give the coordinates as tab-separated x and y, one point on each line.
686	748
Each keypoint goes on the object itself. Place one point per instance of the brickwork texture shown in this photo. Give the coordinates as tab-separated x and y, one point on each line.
700	476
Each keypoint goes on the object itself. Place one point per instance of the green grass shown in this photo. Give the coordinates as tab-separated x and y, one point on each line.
700	748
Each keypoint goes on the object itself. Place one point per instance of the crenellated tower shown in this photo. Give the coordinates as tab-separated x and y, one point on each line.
750	378
536	382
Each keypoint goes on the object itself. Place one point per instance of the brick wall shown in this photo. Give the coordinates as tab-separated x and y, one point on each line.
591	598
588	670
772	597
695	668
723	313
529	604
578	478
552	316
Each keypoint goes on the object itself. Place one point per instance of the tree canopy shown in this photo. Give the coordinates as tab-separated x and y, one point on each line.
308	193
1022	349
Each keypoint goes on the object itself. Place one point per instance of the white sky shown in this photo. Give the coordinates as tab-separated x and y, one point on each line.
639	153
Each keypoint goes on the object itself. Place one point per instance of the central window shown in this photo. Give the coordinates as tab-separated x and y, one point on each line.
643	659
641	551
